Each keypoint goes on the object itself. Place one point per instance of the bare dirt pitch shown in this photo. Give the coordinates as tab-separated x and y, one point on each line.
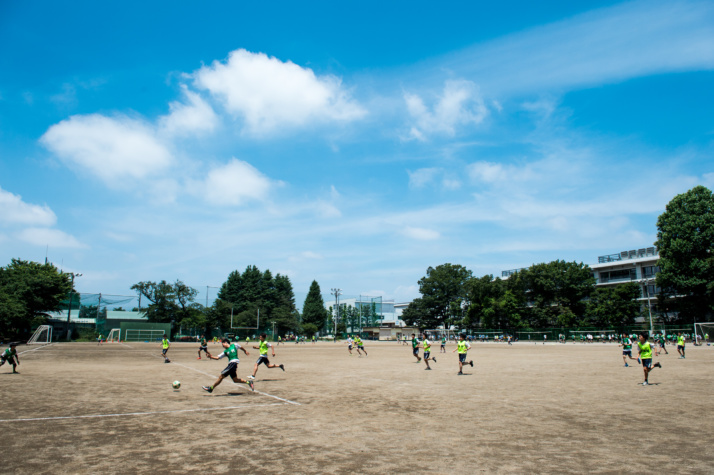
82	408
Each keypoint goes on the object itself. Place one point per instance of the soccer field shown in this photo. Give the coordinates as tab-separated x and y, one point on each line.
84	408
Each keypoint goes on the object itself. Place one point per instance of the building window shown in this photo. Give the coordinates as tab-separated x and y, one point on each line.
649	271
618	275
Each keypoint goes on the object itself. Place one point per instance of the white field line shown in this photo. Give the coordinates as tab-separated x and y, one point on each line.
35	349
177	411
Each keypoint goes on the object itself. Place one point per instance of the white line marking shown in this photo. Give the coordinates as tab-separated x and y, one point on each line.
94	416
35	349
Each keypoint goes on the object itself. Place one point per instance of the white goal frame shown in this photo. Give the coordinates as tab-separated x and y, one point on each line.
699	330
36	338
114	335
135	334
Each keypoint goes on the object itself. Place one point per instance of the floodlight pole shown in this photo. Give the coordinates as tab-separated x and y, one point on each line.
336	293
69	309
649	305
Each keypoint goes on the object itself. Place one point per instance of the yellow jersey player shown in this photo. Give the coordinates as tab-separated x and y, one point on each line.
165	345
645	350
680	345
426	344
462	346
360	346
231	352
263	358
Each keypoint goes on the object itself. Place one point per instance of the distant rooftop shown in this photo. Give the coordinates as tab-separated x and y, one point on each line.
508	273
632	254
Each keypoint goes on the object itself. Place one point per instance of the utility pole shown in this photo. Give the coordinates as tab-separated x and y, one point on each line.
336	293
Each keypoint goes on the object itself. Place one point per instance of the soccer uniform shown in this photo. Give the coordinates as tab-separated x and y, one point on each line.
232	354
164	347
358	342
204	345
8	355
427	348
626	347
415	347
462	348
350	342
645	353
263	358
443	342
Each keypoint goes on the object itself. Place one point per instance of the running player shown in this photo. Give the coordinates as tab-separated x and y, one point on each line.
360	346
680	345
263	358
626	345
231	351
203	347
443	345
645	350
426	344
165	345
415	347
100	338
350	343
462	346
10	354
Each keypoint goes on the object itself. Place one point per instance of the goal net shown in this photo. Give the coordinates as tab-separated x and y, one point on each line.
114	335
42	335
704	331
142	335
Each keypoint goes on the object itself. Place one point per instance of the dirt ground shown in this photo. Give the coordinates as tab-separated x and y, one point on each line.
84	408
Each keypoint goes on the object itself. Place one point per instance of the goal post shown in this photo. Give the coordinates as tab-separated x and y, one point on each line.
703	330
42	335
114	335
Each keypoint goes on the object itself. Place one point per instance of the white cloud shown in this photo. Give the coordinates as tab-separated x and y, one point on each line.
15	211
270	94
235	183
193	116
51	237
420	234
600	46
109	148
459	105
422	177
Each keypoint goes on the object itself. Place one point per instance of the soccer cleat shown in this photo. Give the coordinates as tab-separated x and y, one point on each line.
471	363
626	365
459	373
208	388
282	366
198	358
434	360
252	386
645	383
15	372
251	377
657	365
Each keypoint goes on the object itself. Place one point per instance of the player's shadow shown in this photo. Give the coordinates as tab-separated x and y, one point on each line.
267	380
229	394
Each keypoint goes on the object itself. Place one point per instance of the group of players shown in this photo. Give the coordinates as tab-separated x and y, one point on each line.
230	351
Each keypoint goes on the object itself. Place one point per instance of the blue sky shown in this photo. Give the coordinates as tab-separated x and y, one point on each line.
352	144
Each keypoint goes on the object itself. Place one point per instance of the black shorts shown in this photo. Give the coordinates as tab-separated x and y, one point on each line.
426	355
647	363
203	348
262	360
415	351
626	352
163	351
10	360
462	357
230	370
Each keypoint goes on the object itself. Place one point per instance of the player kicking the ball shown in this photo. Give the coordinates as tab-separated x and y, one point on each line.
263	358
231	351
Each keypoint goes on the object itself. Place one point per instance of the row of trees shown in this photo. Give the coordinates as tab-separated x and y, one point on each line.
558	293
562	294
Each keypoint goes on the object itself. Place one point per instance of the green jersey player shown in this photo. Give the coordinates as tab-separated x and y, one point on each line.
10	355
231	352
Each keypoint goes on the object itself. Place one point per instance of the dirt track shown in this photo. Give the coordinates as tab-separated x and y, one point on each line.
523	408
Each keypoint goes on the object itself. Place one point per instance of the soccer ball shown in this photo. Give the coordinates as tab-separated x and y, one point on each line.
176	384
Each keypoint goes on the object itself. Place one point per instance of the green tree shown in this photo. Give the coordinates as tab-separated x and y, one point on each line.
162	306
443	292
313	311
613	307
685	239
28	290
